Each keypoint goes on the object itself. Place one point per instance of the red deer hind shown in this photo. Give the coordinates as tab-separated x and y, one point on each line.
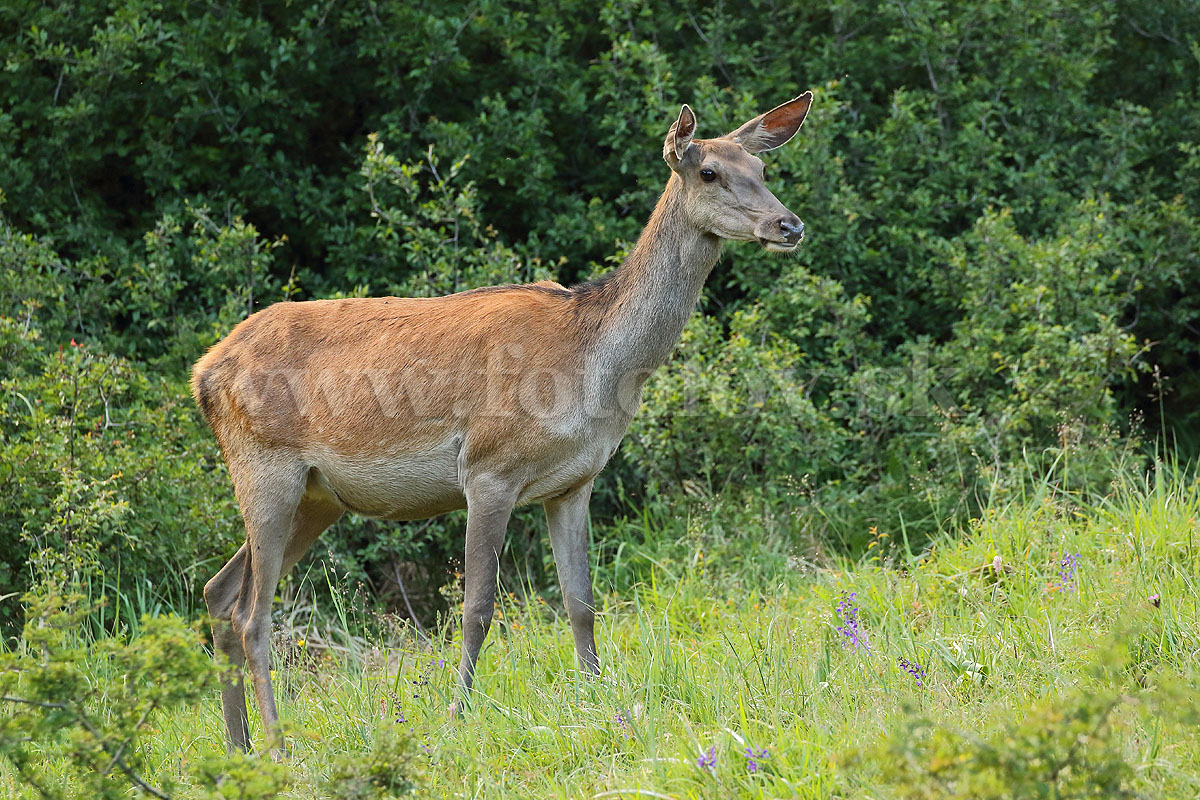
488	399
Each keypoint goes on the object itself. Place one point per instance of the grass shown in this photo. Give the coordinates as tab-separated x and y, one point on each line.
1034	674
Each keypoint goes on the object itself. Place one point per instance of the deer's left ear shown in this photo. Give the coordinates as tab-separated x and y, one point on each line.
774	128
679	138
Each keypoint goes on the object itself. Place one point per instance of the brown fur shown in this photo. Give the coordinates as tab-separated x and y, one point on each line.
331	349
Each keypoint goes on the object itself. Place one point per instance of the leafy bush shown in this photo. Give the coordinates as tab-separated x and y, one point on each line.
1000	201
86	704
387	771
107	475
1062	749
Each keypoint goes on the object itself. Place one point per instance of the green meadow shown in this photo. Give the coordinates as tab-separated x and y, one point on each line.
1049	649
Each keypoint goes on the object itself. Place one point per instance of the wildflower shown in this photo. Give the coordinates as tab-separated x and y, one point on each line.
876	537
914	669
1156	599
708	759
851	627
1066	571
421	681
753	757
301	642
624	725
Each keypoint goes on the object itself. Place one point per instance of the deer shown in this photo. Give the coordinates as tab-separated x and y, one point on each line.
487	399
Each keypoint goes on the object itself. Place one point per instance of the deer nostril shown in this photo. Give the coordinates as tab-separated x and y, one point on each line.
792	230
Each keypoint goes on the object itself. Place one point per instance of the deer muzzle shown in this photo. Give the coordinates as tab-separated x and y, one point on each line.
782	234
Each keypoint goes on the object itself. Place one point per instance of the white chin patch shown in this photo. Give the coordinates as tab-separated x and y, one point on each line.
780	247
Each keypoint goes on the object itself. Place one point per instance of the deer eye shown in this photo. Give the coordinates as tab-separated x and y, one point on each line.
707	175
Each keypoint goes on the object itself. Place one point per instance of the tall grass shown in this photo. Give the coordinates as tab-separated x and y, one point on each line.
1043	612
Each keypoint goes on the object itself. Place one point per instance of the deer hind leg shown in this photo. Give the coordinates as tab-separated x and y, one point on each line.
270	496
221	595
312	518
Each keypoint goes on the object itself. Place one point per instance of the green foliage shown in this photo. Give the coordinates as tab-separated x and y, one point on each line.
1062	748
383	773
241	776
1070	745
431	223
106	476
78	710
221	270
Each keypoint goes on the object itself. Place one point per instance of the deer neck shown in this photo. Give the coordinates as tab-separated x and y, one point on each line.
643	307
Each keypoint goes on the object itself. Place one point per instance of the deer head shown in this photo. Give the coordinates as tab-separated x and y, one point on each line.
723	181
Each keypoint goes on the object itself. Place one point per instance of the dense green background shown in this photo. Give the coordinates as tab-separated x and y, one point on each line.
1001	201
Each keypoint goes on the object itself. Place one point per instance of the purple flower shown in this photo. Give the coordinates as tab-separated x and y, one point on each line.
708	759
620	720
753	757
1066	571
914	669
851	628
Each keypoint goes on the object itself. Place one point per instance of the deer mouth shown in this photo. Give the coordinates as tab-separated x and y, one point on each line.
779	247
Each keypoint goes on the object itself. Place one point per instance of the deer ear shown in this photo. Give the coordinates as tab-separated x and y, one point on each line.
774	128
679	138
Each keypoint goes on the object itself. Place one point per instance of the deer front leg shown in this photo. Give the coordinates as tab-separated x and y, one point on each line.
567	518
488	509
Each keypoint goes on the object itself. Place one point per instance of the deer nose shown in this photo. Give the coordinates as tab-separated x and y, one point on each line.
792	229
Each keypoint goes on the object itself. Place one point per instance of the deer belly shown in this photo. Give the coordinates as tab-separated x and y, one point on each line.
413	485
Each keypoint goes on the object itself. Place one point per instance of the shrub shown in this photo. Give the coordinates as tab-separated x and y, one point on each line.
85	704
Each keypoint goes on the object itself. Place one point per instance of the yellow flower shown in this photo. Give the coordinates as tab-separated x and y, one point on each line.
301	642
